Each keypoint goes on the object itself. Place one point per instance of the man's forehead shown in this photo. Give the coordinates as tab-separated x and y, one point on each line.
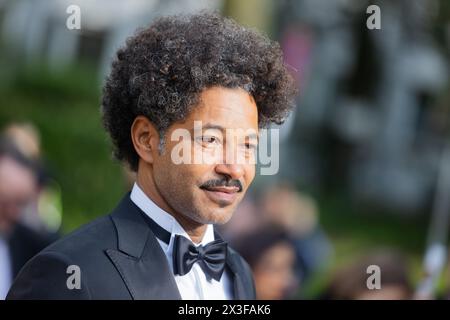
226	108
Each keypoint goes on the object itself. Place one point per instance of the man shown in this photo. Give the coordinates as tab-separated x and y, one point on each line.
18	192
159	243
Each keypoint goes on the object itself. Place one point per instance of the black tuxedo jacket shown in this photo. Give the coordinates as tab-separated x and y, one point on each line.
119	258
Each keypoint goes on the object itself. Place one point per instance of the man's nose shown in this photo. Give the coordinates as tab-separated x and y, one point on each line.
234	171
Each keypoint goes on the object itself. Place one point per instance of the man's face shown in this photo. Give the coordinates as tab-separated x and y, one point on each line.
208	191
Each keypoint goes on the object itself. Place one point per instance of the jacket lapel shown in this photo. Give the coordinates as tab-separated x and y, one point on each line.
241	289
139	258
238	287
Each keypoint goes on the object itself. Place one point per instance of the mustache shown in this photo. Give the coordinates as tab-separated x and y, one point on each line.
222	183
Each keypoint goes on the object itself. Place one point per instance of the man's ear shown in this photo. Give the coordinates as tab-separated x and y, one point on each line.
145	138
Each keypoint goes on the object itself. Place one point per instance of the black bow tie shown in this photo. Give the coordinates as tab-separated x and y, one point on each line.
211	257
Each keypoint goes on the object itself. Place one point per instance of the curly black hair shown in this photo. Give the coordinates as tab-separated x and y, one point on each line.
162	69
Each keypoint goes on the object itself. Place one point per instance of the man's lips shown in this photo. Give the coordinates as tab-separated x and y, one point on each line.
222	195
223	189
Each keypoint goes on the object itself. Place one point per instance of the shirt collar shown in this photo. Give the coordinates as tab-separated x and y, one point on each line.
163	218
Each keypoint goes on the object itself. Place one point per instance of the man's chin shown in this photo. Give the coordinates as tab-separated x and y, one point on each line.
222	220
217	216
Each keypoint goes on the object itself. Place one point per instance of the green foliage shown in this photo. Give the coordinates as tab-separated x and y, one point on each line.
65	108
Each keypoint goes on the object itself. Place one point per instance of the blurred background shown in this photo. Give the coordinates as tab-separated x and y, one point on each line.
365	159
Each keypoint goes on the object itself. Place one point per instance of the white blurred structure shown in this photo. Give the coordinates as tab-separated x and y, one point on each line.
38	28
365	96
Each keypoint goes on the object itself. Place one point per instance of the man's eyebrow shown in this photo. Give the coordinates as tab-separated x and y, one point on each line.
221	128
213	126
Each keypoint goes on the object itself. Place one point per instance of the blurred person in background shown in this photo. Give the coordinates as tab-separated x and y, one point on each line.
18	192
350	282
26	139
297	213
245	219
271	255
46	212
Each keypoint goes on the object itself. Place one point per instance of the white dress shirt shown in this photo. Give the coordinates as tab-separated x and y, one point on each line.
194	285
5	268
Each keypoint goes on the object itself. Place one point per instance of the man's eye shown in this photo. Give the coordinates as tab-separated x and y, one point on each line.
209	139
250	146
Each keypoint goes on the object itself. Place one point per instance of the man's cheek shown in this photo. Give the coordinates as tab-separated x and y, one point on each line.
250	175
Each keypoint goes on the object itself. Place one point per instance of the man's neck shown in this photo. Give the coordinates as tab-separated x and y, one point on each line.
195	230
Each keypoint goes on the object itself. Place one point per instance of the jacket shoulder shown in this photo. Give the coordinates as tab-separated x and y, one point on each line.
47	274
97	235
45	277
